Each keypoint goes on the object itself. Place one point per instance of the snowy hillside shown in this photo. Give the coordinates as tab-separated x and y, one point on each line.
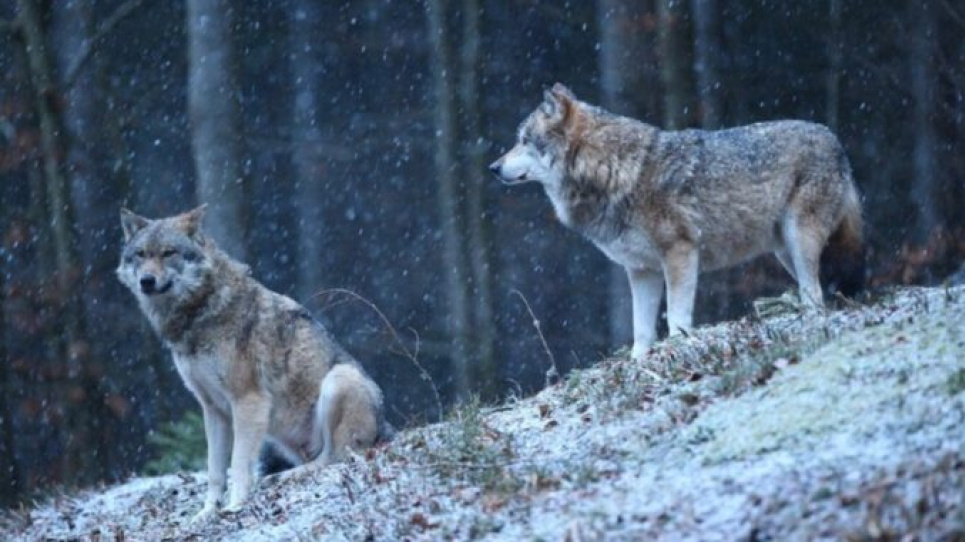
848	424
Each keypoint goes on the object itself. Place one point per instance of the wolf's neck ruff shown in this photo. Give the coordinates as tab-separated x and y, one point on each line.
181	317
174	319
602	179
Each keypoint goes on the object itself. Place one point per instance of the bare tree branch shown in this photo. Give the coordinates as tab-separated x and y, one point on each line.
105	28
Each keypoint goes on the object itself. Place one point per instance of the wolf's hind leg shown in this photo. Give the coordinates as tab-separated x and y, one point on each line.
785	258
347	414
804	243
680	271
647	289
250	416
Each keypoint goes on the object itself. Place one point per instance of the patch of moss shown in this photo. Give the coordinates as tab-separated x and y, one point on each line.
850	376
956	382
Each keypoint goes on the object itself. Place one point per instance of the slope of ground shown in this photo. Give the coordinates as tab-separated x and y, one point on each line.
848	424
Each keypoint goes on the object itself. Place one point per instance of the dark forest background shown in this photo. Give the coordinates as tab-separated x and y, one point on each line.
343	145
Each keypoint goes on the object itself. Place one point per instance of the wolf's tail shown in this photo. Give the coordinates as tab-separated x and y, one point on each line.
843	260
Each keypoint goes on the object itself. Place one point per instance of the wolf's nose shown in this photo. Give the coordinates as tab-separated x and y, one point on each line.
148	283
494	167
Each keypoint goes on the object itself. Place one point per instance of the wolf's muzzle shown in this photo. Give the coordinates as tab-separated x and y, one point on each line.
497	169
149	285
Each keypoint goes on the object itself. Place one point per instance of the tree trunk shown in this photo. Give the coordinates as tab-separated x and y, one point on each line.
707	50
833	77
477	225
718	288
450	221
307	71
93	182
9	469
670	44
622	56
923	82
621	60
734	70
78	462
215	114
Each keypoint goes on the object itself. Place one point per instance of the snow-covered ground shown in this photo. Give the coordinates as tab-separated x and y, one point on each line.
844	425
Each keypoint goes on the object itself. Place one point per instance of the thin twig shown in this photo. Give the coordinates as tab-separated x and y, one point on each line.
459	465
553	372
653	374
105	28
411	355
848	302
955	16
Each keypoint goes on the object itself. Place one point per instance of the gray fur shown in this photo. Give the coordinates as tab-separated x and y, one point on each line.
259	365
670	204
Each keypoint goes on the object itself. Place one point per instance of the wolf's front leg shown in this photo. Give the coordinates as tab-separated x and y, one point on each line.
217	432
680	267
646	286
250	416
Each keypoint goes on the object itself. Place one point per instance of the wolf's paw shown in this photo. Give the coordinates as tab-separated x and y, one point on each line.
207	512
639	351
233	507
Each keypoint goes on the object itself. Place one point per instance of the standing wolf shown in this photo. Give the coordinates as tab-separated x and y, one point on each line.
255	360
666	205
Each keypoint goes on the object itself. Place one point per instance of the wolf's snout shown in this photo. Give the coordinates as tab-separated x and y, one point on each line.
148	284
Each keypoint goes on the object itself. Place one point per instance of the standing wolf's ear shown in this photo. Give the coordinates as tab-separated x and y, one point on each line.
132	223
560	103
190	221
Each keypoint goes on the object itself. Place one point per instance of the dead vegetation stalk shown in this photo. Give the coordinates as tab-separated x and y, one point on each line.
553	373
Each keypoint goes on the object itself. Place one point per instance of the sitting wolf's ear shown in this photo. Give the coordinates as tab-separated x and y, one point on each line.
190	221
560	91
132	223
559	103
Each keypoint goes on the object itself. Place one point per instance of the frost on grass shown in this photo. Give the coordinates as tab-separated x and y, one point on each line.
847	424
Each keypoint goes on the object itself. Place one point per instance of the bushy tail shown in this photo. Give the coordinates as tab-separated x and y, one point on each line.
843	260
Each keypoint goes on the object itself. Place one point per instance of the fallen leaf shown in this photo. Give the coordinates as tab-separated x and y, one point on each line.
419	520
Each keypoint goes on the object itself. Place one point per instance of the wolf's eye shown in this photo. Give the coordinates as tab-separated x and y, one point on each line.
190	256
140	254
167	253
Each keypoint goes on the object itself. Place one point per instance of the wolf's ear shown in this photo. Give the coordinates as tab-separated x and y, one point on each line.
190	221
132	223
561	92
560	103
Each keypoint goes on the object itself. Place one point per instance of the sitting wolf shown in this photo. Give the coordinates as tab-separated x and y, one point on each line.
255	360
667	205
